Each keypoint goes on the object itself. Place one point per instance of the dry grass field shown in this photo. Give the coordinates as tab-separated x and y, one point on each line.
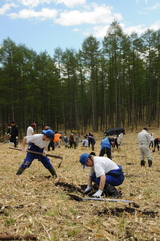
34	206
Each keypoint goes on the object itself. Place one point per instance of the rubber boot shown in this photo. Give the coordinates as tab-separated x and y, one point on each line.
52	171
20	171
111	191
149	163
143	163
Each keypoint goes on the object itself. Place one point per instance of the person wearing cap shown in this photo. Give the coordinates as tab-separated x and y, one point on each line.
51	143
156	144
30	129
38	143
104	172
144	141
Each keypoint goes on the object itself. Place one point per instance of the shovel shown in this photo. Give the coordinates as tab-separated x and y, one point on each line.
78	198
39	153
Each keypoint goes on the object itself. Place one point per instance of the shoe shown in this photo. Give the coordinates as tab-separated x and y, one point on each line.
110	190
143	163
149	163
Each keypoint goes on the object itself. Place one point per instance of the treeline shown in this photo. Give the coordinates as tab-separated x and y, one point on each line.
112	83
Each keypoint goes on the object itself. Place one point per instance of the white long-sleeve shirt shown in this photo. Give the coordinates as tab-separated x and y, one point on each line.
143	138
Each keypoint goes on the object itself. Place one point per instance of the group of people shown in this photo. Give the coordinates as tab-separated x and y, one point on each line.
103	171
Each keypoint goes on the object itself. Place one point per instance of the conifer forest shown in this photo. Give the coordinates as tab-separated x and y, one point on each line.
110	83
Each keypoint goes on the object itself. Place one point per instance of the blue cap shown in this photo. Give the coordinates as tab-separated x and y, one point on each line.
83	159
48	133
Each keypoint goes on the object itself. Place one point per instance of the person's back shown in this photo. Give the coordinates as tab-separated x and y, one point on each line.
143	137
105	147
57	140
57	137
66	139
85	142
144	141
105	143
72	141
30	131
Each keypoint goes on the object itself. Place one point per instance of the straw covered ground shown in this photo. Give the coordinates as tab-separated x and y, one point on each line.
34	206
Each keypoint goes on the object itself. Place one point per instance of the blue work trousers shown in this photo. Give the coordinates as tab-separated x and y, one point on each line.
31	156
114	177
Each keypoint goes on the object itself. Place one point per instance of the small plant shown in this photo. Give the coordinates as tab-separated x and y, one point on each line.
10	221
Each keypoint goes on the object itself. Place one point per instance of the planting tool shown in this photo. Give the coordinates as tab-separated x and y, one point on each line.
78	198
34	152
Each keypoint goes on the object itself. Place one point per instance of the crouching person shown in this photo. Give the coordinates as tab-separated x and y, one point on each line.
104	172
37	143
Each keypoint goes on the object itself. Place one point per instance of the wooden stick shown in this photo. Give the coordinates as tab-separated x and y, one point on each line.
34	152
18	237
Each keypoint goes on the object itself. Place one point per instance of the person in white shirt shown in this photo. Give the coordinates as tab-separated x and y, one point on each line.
119	139
151	144
85	142
38	144
30	129
144	141
104	172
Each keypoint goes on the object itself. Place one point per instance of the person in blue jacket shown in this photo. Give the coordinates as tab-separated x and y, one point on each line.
105	147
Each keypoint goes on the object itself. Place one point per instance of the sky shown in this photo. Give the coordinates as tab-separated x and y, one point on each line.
44	25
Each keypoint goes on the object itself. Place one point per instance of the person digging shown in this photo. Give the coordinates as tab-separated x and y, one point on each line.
37	143
104	172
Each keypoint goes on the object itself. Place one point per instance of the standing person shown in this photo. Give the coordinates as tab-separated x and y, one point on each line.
144	141
106	147
77	140
57	139
91	141
151	140
104	172
14	133
156	144
72	141
30	129
38	143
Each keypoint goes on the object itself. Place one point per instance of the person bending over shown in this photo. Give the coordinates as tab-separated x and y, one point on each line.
104	172
38	143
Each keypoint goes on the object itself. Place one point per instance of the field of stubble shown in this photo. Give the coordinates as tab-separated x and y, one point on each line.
34	206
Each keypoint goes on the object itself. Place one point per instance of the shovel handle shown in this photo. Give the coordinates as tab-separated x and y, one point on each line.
34	152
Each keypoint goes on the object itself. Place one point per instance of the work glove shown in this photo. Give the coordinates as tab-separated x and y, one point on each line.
88	189
16	137
24	149
98	193
44	153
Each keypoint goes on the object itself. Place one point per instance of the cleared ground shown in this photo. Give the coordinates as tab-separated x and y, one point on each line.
35	204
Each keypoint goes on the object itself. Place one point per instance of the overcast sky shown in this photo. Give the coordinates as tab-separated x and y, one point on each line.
44	25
